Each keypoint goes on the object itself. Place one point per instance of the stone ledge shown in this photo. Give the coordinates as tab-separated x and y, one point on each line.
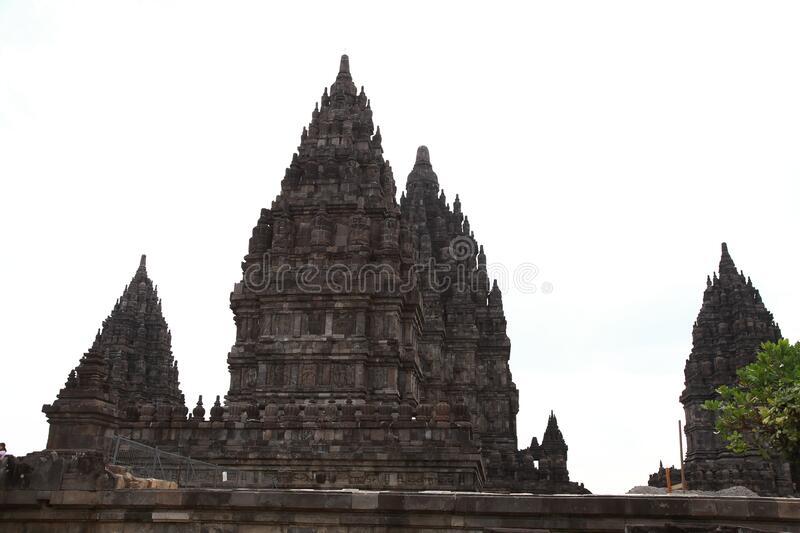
347	510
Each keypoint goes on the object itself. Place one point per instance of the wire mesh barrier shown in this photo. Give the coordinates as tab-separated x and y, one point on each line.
149	462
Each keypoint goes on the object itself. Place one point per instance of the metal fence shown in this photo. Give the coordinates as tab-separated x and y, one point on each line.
149	462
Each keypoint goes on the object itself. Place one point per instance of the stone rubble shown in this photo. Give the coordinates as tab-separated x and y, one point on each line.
736	491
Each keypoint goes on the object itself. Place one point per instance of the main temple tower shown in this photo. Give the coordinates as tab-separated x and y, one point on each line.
321	312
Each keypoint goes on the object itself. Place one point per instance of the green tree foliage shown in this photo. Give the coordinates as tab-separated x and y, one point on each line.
763	409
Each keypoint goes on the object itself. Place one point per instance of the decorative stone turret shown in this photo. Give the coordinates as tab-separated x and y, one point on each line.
423	175
731	326
217	411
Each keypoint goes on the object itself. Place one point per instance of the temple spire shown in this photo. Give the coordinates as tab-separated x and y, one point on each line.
343	88
141	272
552	435
344	65
496	296
136	328
341	121
423	170
423	156
726	264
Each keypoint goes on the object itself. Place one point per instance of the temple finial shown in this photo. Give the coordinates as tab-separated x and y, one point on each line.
423	155
726	264
423	171
141	272
344	65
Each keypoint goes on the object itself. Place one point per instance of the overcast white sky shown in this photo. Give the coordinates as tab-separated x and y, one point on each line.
612	144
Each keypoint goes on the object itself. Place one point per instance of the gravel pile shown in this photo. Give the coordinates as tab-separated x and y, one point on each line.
736	491
741	492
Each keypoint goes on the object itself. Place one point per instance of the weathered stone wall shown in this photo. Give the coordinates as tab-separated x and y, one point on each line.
325	451
243	511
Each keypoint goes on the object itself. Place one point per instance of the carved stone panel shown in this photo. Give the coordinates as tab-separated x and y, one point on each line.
308	376
316	322
343	323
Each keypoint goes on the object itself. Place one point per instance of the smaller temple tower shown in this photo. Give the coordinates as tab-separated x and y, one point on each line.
732	324
553	461
128	367
543	467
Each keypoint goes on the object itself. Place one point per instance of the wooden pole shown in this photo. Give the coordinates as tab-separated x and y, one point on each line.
683	469
669	480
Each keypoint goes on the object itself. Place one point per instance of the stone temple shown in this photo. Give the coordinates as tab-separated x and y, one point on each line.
371	348
731	326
